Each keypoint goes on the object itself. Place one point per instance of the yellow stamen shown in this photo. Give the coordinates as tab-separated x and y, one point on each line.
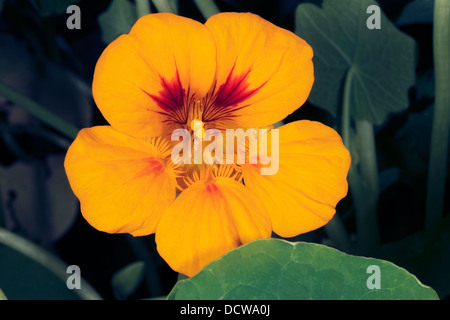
162	145
195	119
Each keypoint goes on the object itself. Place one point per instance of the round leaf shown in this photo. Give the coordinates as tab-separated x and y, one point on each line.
277	269
383	59
37	199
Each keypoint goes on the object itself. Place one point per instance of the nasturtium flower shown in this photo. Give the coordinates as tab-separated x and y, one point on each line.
235	71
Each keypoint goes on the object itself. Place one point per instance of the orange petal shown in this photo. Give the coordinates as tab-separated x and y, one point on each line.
124	184
311	179
142	79
264	72
206	221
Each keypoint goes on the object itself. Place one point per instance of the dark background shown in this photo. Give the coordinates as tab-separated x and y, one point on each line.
400	209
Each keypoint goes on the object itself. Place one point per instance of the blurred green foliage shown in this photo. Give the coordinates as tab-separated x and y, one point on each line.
393	88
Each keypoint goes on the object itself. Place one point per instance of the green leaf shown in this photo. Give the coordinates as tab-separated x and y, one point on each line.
46	209
127	280
24	279
383	59
51	7
28	272
277	269
117	20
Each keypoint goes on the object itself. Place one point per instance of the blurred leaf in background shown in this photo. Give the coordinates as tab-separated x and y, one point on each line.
37	199
127	280
29	272
383	60
51	7
117	20
38	202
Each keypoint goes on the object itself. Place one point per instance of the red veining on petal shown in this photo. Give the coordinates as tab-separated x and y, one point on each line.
154	167
212	189
235	89
172	96
177	102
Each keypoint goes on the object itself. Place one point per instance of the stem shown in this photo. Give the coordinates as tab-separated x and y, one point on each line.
367	224
38	111
208	8
368	155
364	184
142	7
2	295
441	118
164	6
346	107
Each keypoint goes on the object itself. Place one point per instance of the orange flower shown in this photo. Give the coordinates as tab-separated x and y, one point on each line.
235	71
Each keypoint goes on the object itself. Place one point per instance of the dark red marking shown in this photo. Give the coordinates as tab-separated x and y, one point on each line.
155	166
211	188
234	91
218	103
172	96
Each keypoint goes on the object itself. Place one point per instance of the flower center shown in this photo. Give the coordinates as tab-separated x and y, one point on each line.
209	173
196	124
195	118
198	128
